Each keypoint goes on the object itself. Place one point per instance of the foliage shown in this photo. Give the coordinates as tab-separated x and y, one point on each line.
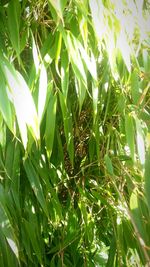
75	133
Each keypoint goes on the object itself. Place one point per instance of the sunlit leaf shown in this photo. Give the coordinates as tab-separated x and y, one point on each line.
64	73
21	95
58	50
125	49
5	106
35	54
59	6
130	134
97	10
140	141
75	57
50	123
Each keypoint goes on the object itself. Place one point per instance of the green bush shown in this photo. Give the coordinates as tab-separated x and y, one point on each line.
74	133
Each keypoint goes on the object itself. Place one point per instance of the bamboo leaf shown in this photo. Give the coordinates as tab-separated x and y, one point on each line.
130	133
81	92
147	178
135	87
95	100
35	184
97	10
35	54
30	229
125	49
109	165
42	91
21	95
67	119
5	224
75	57
137	215
58	50
64	73
140	141
50	123
59	6
90	63
5	106
13	24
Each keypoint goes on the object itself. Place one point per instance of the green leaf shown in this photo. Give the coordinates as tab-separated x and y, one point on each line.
147	178
50	123
81	92
35	184
109	165
5	106
124	47
135	87
137	215
5	224
42	91
130	134
58	50
13	24
64	73
140	141
112	251
89	62
35	54
75	57
21	95
59	6
31	232
68	128
95	101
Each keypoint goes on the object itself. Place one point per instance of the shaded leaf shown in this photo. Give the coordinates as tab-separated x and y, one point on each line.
13	23
42	91
35	184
